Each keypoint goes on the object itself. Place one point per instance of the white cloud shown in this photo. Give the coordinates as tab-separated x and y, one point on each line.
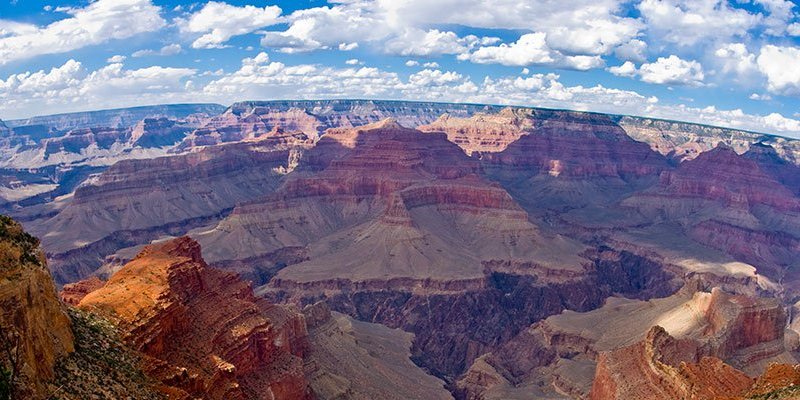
429	77
326	27
352	61
627	69
259	78
737	60
530	49
760	97
116	59
168	50
348	46
99	22
779	13
778	64
416	42
688	22
431	64
635	50
412	63
793	29
218	22
70	87
587	27
672	70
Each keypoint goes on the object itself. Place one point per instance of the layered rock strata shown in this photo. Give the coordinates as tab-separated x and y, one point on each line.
204	332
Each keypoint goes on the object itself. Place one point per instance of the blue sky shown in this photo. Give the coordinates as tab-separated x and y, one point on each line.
731	63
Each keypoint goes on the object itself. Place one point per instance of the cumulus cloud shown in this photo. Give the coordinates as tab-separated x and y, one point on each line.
736	59
635	50
778	63
218	22
168	50
417	42
326	27
687	22
70	86
348	46
99	22
627	69
530	49
672	70
587	27
116	59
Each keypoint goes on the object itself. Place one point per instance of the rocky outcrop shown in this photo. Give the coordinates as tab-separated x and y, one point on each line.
390	187
205	332
158	132
485	133
35	330
247	120
777	166
731	203
565	350
682	141
73	293
140	199
661	367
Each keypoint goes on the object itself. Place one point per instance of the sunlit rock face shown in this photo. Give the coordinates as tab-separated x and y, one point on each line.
207	334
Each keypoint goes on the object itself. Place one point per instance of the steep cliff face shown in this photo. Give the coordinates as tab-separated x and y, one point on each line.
559	159
248	120
682	141
205	332
485	133
158	132
35	330
567	351
731	203
135	201
385	187
661	367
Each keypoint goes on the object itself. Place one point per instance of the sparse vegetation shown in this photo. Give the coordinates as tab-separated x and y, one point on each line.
17	247
101	366
9	362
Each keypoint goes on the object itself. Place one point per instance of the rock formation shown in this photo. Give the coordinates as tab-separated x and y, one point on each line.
725	201
35	330
516	247
205	332
73	293
485	133
661	367
567	351
136	201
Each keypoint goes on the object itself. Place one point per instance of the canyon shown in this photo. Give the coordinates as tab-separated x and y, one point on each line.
392	249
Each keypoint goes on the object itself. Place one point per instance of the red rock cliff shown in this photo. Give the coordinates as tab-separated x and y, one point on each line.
206	333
